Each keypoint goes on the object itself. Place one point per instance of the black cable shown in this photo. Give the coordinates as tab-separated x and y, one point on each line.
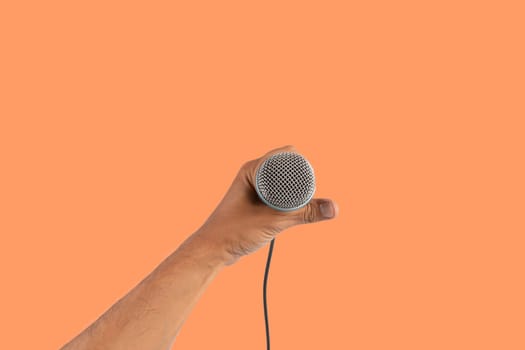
270	250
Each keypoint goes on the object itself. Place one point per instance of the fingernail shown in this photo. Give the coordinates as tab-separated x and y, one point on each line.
327	210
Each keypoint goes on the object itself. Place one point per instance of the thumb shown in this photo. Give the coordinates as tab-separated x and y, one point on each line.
317	209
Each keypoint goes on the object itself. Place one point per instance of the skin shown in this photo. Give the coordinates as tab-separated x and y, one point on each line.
151	315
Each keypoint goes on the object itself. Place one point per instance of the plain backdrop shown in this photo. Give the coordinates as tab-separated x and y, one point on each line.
123	123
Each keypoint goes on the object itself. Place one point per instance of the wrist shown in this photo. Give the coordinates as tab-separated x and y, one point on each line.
200	248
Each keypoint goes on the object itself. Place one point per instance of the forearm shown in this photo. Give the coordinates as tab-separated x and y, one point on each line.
151	315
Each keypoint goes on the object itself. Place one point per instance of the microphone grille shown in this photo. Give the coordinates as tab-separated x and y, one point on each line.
285	181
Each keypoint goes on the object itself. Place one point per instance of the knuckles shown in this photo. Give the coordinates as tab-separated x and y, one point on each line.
309	215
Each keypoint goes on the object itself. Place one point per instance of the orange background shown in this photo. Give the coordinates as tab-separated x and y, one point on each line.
123	123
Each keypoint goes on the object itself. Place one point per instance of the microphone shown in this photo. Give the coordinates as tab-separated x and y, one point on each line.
285	181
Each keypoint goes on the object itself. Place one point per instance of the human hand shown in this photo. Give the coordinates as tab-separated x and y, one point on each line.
242	223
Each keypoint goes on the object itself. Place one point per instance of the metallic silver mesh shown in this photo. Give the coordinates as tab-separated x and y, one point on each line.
285	181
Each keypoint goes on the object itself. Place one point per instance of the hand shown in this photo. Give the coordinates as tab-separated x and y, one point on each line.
242	223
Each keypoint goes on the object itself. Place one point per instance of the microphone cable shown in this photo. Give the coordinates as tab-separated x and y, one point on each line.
265	304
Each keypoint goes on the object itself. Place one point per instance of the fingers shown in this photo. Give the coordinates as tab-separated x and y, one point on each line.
249	169
318	209
287	148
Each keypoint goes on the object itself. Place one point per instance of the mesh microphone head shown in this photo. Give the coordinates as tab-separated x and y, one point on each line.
285	181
